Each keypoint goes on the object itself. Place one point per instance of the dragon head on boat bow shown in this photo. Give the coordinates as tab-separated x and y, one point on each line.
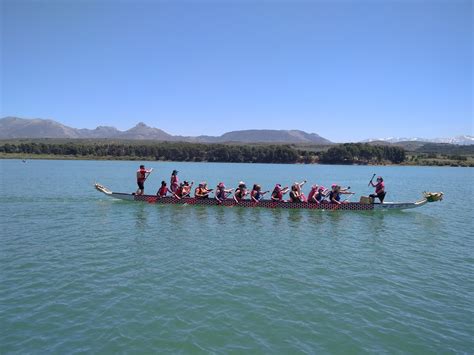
433	196
102	188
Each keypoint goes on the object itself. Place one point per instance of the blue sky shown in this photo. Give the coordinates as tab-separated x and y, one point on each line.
347	70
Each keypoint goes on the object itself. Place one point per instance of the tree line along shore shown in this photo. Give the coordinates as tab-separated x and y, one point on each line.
347	153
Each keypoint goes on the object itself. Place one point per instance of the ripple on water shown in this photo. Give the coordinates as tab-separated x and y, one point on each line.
88	274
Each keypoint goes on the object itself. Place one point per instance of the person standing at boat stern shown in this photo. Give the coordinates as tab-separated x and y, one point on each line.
174	181
142	175
379	189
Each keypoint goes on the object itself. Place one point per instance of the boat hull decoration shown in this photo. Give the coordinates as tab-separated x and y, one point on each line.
354	206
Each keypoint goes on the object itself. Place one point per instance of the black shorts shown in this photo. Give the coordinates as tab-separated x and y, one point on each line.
141	185
380	196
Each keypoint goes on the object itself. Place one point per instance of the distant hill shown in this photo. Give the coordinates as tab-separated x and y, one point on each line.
99	132
273	136
460	140
142	131
14	127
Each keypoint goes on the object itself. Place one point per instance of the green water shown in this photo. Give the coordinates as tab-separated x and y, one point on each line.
85	273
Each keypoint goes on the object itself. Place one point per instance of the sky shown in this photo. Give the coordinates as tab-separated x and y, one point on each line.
346	70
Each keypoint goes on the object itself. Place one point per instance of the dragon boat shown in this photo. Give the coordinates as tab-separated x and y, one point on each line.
353	206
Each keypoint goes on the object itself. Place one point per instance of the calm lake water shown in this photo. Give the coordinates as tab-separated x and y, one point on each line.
83	272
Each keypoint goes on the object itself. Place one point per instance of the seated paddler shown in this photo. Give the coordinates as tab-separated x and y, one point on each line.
186	188
336	192
295	194
299	186
163	190
321	194
312	194
221	192
257	194
240	192
202	191
278	192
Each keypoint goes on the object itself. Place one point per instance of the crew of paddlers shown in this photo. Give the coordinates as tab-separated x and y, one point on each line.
317	194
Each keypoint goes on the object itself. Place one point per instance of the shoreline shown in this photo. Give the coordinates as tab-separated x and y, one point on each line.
15	156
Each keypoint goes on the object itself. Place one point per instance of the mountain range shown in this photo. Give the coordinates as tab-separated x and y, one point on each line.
14	127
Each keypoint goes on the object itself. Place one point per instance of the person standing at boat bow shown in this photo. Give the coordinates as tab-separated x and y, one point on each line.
142	175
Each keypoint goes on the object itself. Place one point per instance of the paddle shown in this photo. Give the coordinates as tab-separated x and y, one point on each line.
148	173
226	195
350	195
370	182
253	199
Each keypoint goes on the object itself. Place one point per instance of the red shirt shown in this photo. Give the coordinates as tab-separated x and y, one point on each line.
162	191
174	180
141	175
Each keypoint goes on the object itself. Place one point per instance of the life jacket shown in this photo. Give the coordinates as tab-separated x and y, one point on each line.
162	191
141	175
379	188
312	193
174	181
278	194
239	193
334	195
256	194
221	194
200	191
294	196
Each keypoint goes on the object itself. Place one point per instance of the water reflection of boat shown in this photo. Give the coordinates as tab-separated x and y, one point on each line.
354	206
